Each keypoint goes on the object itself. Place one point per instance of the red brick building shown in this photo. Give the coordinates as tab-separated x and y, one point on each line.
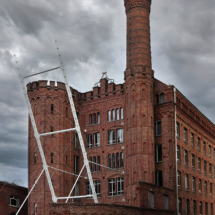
158	146
11	198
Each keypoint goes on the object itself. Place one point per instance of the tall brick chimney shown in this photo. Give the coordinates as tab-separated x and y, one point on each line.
139	99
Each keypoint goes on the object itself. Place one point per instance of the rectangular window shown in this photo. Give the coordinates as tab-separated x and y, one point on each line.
158	153
35	157
111	186
194	184
76	159
186	157
111	137
35	208
98	118
159	179
187	206
204	147
89	141
177	129
178	154
206	187
186	182
121	113
193	161
212	209
94	118
192	139
120	186
199	164
200	186
185	135
210	169
198	144
52	158
157	128
76	140
179	179
113	115
205	168
97	139
119	135
117	114
97	188
109	116
209	151
206	208
76	190
194	207
91	119
211	189
180	206
200	208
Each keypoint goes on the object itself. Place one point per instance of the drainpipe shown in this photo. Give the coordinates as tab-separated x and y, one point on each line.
176	167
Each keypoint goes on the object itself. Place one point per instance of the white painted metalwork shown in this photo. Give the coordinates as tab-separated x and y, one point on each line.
37	135
57	132
75	197
86	163
42	72
75	183
29	192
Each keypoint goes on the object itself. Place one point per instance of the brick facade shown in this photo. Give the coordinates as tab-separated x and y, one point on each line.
8	191
148	145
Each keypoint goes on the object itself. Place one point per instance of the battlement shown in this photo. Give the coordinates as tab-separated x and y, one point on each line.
139	70
105	89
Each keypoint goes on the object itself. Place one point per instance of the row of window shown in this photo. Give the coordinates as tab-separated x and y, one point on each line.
159	99
151	201
115	114
93	164
194	184
94	118
194	208
193	161
192	138
115	160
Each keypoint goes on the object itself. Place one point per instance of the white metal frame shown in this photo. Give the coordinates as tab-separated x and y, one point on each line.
37	136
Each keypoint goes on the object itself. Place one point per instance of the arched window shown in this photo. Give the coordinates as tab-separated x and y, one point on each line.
121	113
66	111
113	115
151	199
165	202
98	118
109	115
113	161
98	162
52	109
117	160
14	201
94	118
90	119
121	159
94	165
117	114
162	98
52	158
156	99
52	129
109	161
35	109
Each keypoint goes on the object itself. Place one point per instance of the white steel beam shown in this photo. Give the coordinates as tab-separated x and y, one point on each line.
75	197
37	135
57	132
78	128
29	192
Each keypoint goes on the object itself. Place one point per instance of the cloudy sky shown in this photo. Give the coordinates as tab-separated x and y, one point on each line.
91	36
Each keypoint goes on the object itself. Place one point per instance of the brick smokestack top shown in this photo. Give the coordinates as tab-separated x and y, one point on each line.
138	33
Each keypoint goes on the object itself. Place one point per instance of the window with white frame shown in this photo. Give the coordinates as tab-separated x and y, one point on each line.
89	141
76	141
200	186
193	161
198	144
109	116
179	179
115	160
111	137
204	147
97	188
186	182
206	187
119	135
205	168
113	115
186	157
157	127
192	139
178	154
97	139
193	184
185	135
210	169
209	151
35	208
177	129
121	113
14	201
179	206
120	186
111	187
117	114
199	164
98	118
76	189
158	153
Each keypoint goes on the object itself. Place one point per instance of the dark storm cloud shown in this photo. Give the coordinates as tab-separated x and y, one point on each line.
91	35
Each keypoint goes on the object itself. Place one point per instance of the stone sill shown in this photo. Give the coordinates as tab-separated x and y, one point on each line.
114	144
92	124
116	195
93	147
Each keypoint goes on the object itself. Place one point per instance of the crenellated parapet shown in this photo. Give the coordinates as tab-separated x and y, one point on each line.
130	4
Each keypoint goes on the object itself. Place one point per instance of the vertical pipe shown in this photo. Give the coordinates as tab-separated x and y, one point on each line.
176	167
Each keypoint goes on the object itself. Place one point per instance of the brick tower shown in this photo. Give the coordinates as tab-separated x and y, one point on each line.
139	98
